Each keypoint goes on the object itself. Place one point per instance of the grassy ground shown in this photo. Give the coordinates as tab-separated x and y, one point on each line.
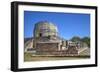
28	57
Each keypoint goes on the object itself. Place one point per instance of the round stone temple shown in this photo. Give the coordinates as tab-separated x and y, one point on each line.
45	29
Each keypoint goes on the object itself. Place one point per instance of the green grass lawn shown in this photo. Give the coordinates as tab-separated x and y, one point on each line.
28	57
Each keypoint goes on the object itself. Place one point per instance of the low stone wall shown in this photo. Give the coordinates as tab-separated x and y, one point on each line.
46	47
52	49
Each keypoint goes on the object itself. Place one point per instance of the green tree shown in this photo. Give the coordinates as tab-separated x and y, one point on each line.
86	40
76	39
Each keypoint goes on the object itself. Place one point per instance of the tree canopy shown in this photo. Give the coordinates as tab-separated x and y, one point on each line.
75	39
84	40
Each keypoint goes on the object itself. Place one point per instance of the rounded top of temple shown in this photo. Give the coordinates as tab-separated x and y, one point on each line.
45	28
40	23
